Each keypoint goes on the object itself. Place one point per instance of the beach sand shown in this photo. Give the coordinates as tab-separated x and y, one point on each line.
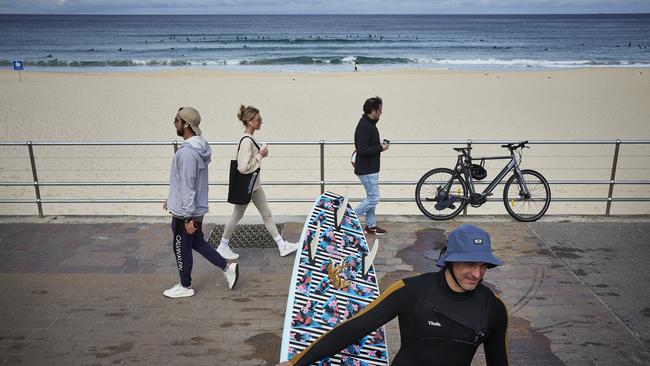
577	104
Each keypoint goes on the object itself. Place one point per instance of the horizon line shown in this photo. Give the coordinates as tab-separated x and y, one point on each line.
350	14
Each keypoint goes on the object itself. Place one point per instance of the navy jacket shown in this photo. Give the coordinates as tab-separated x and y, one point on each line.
368	145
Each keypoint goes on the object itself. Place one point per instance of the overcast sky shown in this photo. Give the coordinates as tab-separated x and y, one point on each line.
321	6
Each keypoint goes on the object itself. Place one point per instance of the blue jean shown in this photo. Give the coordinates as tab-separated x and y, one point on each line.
182	245
367	207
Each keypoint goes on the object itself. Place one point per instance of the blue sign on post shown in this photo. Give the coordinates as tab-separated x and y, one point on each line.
18	65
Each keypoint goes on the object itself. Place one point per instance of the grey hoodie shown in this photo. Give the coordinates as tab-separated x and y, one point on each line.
188	180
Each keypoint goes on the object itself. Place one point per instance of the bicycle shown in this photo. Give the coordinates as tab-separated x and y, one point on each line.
443	193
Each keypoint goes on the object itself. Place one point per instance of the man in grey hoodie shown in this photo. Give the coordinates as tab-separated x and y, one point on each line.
188	203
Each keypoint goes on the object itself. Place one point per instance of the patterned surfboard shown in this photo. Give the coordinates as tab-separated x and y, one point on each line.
333	279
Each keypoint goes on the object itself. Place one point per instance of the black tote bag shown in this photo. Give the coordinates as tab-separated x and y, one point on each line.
240	186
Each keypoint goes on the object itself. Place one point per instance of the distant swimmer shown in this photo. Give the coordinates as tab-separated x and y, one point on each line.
49	56
120	49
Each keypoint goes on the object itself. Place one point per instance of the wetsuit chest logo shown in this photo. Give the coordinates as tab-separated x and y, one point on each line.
434	324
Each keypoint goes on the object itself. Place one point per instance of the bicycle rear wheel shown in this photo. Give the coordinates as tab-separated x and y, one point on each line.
525	207
431	190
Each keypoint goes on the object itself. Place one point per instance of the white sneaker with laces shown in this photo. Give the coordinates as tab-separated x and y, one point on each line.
226	252
288	248
232	275
179	291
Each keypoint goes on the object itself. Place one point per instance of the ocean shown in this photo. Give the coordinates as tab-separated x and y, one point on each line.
324	42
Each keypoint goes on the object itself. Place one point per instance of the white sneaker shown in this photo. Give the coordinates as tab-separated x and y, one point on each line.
226	252
179	291
232	275
288	248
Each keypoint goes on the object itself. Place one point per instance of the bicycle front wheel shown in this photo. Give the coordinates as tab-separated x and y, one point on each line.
438	196
529	206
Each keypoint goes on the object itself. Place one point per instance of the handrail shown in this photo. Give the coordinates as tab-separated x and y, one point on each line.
39	200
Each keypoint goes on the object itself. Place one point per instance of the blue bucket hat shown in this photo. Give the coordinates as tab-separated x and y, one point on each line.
469	243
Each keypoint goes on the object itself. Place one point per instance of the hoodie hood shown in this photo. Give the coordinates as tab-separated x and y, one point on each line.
200	146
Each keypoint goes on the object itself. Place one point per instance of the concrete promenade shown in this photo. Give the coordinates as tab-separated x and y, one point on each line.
90	292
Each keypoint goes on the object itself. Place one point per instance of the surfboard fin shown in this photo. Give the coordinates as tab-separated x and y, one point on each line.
313	245
370	257
340	211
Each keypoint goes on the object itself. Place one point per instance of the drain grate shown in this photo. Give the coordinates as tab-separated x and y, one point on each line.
245	236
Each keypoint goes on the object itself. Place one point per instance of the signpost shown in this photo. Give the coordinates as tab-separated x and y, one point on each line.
18	66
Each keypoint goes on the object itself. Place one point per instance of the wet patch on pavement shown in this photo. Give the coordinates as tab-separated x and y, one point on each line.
121	314
645	312
266	347
389	278
424	252
241	299
111	350
231	324
528	345
567	252
192	341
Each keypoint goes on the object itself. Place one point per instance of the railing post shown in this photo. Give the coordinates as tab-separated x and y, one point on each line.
35	176
612	180
322	166
175	144
469	146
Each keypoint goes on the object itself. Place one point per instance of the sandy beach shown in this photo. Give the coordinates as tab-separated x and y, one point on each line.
576	104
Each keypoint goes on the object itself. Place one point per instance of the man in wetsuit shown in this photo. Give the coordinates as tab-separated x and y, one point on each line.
443	316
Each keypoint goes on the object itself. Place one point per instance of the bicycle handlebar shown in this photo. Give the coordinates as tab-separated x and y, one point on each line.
512	146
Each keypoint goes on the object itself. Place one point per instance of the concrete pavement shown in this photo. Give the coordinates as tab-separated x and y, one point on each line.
91	294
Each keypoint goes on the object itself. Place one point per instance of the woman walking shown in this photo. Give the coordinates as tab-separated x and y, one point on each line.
249	159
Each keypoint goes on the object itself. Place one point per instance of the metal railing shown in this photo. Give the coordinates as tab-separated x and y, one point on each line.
39	200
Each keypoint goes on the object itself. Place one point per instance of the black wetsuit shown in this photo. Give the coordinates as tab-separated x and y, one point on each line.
437	325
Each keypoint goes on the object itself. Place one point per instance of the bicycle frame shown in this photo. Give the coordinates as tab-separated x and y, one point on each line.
463	165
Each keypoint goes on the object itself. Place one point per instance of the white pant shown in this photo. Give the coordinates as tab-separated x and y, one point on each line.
259	200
